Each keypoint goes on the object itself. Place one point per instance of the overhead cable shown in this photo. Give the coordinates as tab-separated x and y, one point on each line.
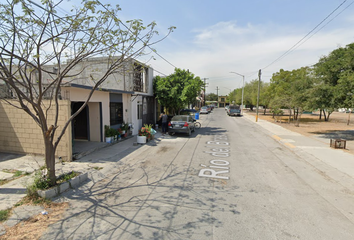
140	38
296	45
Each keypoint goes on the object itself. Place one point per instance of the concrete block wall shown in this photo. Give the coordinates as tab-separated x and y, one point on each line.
20	134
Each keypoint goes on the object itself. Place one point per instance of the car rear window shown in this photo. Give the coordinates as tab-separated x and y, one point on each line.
180	118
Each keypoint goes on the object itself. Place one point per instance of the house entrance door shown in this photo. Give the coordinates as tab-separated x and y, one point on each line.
80	122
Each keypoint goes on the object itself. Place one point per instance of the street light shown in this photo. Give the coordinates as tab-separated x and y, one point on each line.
243	87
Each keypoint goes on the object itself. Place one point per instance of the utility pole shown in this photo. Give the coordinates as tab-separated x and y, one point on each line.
259	89
217	96
204	89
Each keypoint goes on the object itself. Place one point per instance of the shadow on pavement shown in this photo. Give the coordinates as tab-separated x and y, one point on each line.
173	206
335	134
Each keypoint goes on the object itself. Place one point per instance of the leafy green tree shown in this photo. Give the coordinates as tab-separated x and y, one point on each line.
265	98
251	93
211	97
35	35
290	89
177	90
334	75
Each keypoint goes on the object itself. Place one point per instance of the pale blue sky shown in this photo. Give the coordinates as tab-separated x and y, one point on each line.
214	38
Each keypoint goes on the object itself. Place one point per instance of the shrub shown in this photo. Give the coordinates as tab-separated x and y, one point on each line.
4	214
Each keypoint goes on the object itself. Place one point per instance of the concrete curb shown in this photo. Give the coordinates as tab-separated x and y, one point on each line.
56	191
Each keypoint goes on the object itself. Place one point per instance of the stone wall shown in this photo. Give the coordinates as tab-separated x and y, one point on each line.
20	134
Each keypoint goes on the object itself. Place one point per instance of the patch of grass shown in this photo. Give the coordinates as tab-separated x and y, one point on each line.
4	181
66	177
4	214
20	173
33	199
16	174
97	168
42	182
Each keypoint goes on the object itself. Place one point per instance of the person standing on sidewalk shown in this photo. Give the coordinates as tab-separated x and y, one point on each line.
164	119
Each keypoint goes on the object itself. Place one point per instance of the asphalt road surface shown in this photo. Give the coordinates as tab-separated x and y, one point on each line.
229	180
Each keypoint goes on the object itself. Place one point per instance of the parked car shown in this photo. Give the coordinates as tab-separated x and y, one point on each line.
182	124
209	108
188	112
204	110
234	110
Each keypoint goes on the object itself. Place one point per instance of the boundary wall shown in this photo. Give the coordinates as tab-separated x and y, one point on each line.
20	134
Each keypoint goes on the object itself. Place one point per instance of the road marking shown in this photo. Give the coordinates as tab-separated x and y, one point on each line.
219	148
289	145
276	137
284	141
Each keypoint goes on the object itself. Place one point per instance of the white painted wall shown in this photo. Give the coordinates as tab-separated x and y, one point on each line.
80	95
137	123
94	118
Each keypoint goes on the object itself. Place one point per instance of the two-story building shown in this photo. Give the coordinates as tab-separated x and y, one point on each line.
222	101
125	96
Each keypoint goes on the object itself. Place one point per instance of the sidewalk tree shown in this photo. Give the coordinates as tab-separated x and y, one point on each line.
178	89
33	35
211	97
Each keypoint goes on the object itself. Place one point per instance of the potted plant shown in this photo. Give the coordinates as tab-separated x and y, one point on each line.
119	134
107	133
115	134
124	128
145	134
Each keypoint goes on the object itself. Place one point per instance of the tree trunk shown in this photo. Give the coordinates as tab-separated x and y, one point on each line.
324	115
50	160
290	110
327	118
320	114
298	118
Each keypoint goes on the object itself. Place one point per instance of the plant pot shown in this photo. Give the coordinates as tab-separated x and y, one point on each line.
141	139
108	139
123	132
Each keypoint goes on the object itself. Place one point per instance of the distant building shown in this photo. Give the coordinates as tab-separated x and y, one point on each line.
222	101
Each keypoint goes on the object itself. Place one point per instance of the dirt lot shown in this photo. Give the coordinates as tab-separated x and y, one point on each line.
310	125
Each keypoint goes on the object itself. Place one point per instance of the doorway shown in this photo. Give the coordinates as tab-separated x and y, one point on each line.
80	122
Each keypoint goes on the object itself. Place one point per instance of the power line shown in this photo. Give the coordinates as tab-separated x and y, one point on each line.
154	50
159	72
296	45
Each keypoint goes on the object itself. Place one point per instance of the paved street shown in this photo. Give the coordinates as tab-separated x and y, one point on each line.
232	179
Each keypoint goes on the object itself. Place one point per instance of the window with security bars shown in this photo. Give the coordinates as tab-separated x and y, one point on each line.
140	111
116	113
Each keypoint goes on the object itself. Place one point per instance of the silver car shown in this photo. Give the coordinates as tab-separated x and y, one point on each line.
204	110
181	124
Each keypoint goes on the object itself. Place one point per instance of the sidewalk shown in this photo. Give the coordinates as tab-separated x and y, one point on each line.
316	151
98	164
